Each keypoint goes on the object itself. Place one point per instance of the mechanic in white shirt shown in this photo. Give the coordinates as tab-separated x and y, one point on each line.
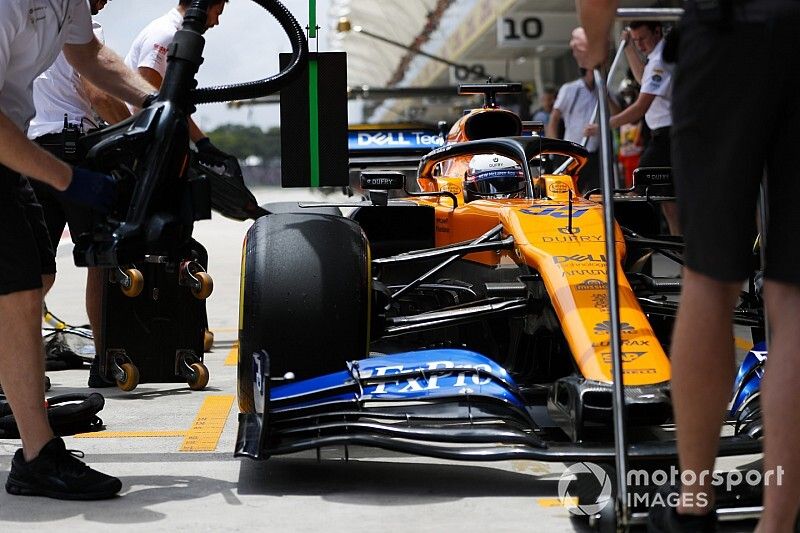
148	55
654	103
574	105
32	33
61	92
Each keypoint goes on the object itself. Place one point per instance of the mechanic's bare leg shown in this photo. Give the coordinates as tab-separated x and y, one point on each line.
48	280
22	367
779	403
702	378
670	210
94	302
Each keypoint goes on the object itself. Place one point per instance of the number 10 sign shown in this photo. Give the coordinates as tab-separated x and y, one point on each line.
529	29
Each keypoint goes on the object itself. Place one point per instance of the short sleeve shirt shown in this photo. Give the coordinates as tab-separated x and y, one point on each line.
58	91
150	47
657	80
576	102
32	33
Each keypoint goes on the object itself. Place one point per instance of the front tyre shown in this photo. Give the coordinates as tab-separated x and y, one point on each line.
305	298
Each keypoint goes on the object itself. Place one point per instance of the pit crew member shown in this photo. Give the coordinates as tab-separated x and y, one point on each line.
58	92
718	171
148	55
32	33
653	104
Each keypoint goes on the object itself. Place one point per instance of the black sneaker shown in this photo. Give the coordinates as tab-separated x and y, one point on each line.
58	473
58	355
96	381
665	518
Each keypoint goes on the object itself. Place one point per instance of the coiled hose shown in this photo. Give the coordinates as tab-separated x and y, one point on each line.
266	86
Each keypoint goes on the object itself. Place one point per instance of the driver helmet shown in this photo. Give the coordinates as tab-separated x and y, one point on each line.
493	176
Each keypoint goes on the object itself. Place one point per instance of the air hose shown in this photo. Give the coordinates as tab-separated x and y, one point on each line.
266	86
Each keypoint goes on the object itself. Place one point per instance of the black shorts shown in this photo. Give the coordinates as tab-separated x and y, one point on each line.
57	213
25	249
657	151
735	112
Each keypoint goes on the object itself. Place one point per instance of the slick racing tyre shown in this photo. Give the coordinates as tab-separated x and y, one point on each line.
306	290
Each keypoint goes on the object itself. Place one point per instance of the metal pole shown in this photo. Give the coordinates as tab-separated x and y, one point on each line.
662	14
763	218
607	185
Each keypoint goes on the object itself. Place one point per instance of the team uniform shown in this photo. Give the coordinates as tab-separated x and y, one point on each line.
58	92
150	47
576	102
657	80
727	127
32	33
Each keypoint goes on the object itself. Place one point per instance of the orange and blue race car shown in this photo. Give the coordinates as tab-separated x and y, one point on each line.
467	319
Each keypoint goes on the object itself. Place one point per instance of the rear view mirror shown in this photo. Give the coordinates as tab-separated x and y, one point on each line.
534	127
383	180
652	176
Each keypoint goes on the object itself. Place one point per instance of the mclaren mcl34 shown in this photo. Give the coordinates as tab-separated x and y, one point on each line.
468	319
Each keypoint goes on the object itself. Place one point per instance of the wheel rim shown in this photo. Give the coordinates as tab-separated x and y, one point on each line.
206	286
136	285
131	377
200	378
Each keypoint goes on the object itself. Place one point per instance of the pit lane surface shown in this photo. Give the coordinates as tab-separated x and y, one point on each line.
173	450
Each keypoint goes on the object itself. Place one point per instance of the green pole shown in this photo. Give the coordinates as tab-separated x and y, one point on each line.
313	98
312	19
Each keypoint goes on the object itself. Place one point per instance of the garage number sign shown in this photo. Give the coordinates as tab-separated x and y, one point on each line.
529	29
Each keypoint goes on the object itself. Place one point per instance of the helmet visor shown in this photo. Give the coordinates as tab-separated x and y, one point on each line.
496	182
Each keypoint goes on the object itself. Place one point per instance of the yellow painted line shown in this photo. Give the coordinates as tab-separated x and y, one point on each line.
131	434
233	355
207	428
557	502
743	344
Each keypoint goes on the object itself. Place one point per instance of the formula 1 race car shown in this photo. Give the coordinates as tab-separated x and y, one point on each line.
466	320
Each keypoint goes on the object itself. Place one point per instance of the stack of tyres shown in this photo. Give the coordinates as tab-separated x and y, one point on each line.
155	327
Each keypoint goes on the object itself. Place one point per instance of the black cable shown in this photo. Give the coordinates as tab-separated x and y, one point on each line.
255	89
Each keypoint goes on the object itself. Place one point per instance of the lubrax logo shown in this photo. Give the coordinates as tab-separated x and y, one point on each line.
624	342
558	259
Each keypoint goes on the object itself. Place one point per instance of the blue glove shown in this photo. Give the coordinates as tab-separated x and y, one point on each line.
91	189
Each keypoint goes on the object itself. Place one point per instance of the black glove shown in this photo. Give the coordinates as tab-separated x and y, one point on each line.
91	189
213	155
